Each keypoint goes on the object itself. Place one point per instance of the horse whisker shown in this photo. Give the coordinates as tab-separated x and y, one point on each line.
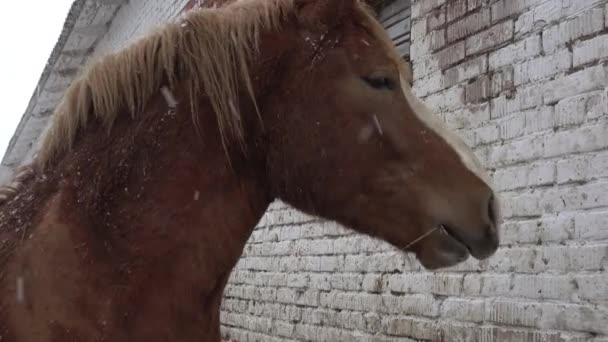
423	236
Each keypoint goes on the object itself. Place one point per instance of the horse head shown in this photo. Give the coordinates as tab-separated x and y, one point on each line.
354	144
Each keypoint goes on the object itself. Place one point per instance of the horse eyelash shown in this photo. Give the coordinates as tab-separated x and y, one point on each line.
380	83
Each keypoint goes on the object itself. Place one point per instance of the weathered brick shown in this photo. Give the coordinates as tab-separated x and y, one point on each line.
447	100
521	206
567	31
584	139
571	111
572	8
591	226
411	327
597	106
586	80
472	284
422	7
527	149
505	8
593	287
542	67
473	4
468	25
385	262
319	281
375	283
455	9
342	319
572	170
477	90
416	304
525	24
588	196
429	85
354	244
542	286
465	71
430	43
425	283
591	50
440	60
435	19
468	117
525	97
463	309
489	38
419	28
351	301
502	81
548	315
539	119
517	51
346	282
319	333
536	231
260	324
512	127
526	175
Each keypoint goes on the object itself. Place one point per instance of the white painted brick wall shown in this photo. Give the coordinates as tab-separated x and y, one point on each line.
5	174
526	83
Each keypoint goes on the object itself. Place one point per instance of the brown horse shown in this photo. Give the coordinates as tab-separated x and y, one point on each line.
163	157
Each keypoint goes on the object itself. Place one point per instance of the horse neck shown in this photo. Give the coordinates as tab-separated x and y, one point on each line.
161	211
188	212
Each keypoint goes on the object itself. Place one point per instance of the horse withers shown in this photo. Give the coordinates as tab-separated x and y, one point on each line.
162	158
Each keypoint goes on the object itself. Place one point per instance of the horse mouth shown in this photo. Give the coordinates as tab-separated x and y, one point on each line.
455	242
448	248
449	231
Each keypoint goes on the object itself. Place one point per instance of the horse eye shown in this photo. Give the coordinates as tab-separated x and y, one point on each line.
380	83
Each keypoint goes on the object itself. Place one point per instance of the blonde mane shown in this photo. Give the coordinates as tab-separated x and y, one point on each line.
210	50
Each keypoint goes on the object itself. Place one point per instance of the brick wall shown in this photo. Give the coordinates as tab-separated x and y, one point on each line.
525	83
136	18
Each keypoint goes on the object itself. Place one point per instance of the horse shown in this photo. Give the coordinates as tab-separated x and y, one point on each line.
161	158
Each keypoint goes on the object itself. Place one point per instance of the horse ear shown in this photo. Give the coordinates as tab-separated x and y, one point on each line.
322	12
